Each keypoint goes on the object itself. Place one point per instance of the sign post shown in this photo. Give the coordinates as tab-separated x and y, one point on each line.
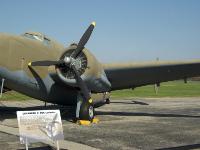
57	144
40	125
26	144
2	84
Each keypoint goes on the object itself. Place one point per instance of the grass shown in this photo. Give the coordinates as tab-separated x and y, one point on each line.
167	89
14	96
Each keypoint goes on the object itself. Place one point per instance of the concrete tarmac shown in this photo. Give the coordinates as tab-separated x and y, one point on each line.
137	123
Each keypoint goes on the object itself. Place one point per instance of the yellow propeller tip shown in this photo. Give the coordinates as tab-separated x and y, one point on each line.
29	64
94	23
90	100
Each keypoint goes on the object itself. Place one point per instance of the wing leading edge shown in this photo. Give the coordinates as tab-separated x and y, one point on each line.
131	75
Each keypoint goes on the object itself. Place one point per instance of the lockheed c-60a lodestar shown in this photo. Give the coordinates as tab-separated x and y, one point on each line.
40	67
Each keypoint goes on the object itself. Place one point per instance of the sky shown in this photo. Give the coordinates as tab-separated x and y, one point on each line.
126	30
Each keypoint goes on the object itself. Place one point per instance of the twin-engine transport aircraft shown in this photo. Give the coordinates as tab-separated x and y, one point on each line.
39	67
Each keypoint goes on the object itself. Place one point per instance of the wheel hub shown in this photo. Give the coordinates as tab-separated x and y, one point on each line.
91	112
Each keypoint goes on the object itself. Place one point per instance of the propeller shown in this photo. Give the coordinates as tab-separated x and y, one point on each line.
84	89
46	63
83	40
69	61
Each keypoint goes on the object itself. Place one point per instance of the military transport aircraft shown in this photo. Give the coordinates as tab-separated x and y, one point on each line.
40	67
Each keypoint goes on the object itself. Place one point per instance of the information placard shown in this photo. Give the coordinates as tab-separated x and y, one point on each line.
40	125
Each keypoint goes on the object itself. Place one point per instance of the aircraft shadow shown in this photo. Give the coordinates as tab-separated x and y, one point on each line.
67	113
144	114
184	147
132	102
40	148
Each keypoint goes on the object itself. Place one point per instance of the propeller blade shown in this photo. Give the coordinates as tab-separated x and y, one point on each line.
81	84
46	63
83	40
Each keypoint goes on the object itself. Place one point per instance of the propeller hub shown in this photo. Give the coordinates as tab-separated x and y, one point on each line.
76	63
67	60
80	64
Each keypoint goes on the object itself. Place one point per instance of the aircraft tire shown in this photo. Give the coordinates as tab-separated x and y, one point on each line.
86	112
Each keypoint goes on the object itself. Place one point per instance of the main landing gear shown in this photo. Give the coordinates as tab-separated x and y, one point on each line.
84	109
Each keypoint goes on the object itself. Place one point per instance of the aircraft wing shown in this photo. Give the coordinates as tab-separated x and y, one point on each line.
131	75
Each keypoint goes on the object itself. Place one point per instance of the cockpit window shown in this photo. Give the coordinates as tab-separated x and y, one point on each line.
39	37
46	41
32	36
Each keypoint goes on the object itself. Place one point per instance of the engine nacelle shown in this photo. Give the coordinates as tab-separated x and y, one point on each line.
88	67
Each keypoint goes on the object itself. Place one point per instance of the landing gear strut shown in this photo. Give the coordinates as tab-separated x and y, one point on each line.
84	109
86	112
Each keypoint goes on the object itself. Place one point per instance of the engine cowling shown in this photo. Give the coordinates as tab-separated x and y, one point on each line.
88	67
